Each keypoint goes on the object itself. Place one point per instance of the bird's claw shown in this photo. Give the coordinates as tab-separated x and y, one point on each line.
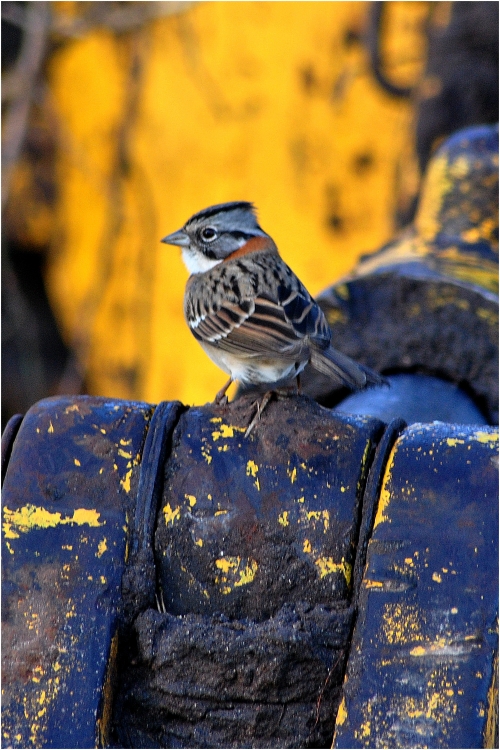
259	411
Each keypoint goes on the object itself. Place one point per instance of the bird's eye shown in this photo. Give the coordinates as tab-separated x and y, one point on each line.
208	234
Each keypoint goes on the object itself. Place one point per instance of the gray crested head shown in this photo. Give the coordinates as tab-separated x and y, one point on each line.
216	232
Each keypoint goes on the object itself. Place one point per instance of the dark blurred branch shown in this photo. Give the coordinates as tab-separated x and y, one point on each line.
118	17
18	88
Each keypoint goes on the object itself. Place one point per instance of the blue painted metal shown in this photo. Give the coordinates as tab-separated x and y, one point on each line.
423	660
68	497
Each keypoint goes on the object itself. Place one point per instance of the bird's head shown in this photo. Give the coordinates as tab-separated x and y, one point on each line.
208	237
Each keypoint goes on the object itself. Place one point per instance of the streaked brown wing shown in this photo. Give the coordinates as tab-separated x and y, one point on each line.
251	328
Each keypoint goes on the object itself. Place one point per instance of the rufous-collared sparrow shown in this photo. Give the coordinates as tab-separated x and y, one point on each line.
248	310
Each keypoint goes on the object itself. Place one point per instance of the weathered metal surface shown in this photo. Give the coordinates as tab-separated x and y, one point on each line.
455	233
427	302
68	496
237	514
423	660
255	547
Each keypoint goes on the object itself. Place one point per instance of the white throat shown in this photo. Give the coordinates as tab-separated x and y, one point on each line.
196	262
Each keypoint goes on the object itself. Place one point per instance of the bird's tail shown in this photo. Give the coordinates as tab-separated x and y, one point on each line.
343	369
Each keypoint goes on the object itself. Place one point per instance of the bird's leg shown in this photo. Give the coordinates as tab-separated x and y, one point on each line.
220	394
260	409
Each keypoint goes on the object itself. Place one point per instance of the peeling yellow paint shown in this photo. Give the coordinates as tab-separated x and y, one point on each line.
252	470
226	431
171	515
327	566
227	563
77	462
124	454
125	482
51	427
439	645
102	547
220	512
199	542
488	438
205	452
247	574
437	577
365	729
292	474
452	442
34	517
283	518
370	584
385	495
401	623
191	499
234	572
307	546
342	713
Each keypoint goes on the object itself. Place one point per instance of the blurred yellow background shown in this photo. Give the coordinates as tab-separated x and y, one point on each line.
272	102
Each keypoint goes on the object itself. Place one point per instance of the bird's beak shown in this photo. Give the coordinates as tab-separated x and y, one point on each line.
177	238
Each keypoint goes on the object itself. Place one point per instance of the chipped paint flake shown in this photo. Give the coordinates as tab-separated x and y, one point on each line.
191	500
226	431
385	495
370	584
452	442
327	566
283	518
235	572
401	623
125	482
342	713
488	438
171	515
252	470
34	517
319	515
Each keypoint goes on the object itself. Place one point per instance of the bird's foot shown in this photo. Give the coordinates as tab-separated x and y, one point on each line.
221	398
261	405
